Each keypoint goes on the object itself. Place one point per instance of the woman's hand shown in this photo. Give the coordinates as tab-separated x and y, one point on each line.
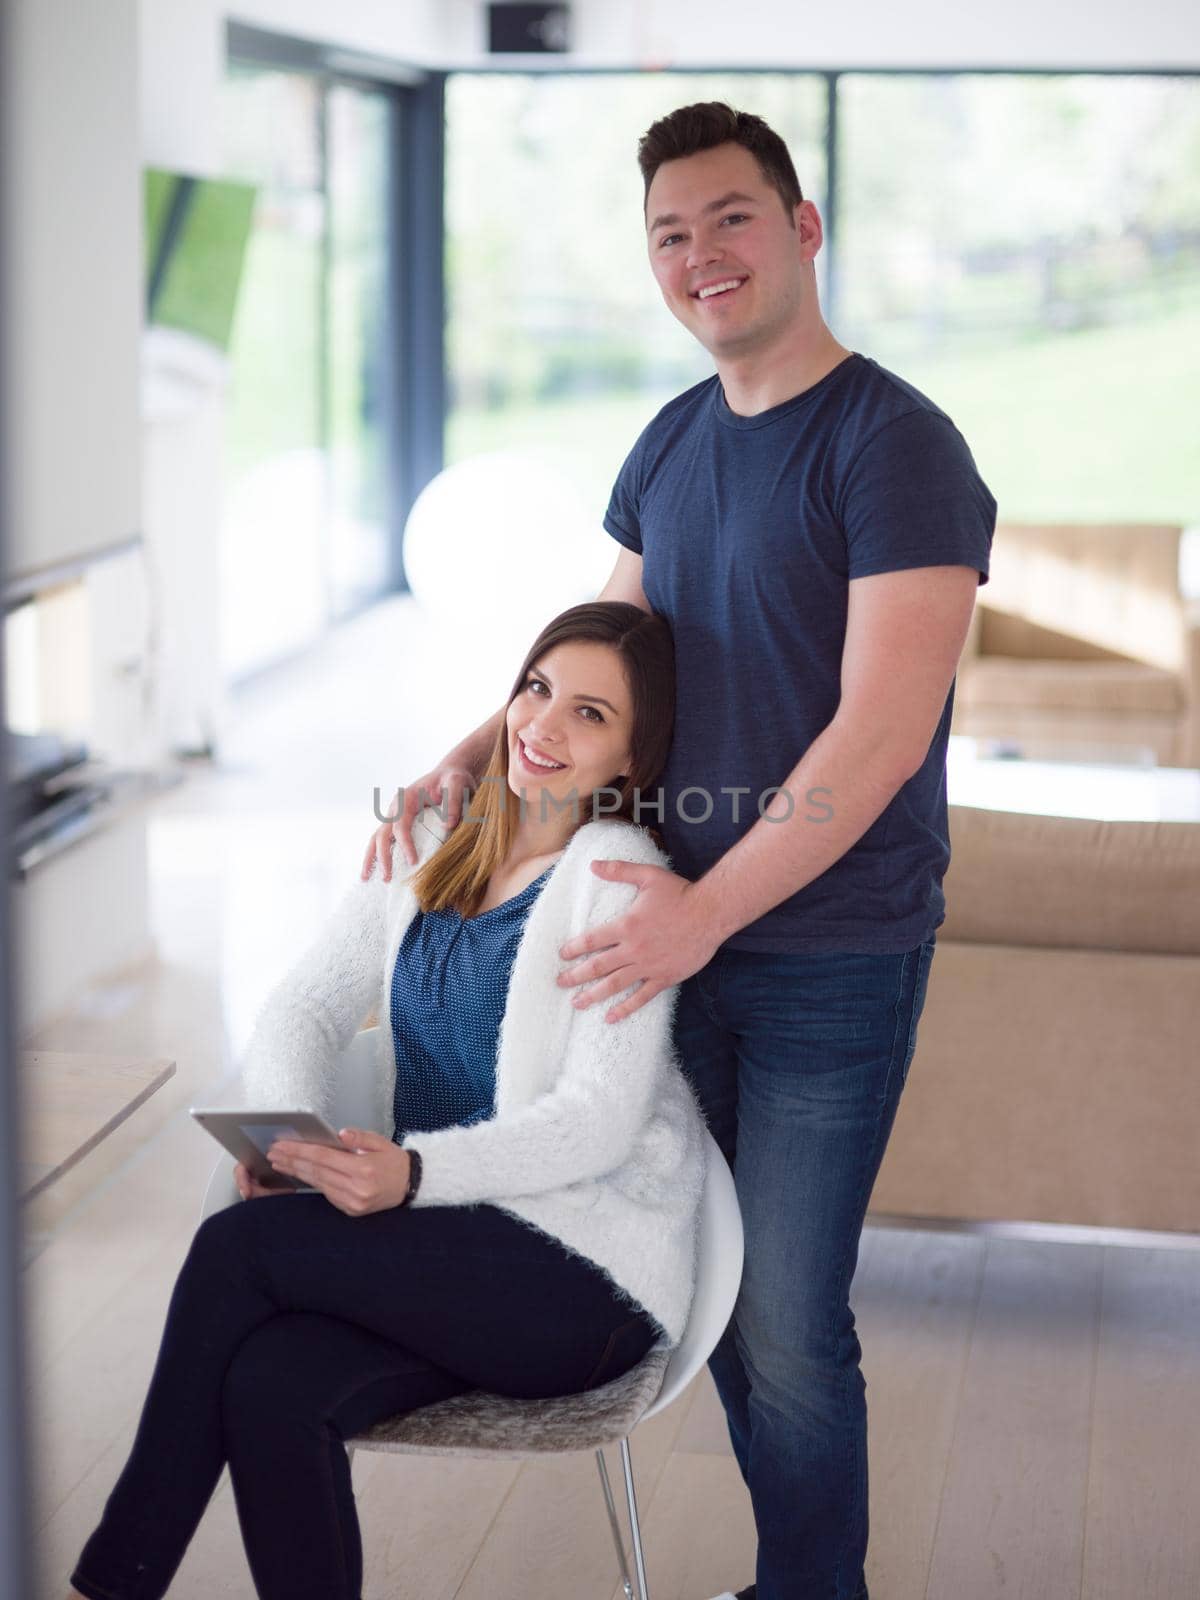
248	1185
370	1174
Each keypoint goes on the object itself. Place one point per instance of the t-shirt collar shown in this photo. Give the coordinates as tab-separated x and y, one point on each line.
785	408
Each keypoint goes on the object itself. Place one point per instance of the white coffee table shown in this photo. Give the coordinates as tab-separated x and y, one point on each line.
1107	791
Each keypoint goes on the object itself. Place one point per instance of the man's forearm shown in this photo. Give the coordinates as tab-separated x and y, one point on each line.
841	784
474	751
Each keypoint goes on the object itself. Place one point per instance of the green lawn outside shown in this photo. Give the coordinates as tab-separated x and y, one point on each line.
274	404
1088	426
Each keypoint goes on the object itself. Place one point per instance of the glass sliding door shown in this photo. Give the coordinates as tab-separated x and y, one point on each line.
273	585
304	533
358	145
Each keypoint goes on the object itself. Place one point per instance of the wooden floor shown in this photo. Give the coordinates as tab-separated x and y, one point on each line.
1034	1407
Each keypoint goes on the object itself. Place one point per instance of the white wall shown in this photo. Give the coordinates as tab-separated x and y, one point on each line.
73	297
72	237
714	33
183	57
409	30
872	33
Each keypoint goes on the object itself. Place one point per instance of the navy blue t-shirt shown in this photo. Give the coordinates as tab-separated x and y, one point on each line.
750	530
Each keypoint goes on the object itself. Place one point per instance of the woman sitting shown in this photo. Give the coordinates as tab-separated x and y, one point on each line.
529	1228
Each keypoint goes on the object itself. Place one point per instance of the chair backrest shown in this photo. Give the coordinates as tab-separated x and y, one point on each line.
720	1252
356	1097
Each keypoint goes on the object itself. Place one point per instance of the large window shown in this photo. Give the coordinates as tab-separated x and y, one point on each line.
1024	248
1027	251
305	532
558	341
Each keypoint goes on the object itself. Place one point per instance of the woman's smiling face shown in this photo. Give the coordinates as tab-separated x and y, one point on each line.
569	726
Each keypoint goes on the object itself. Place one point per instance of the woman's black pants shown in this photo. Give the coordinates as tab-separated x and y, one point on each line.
292	1327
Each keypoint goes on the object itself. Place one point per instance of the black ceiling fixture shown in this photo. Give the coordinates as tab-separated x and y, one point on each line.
527	30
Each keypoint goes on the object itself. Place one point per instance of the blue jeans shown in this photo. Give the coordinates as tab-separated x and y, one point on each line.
799	1062
293	1327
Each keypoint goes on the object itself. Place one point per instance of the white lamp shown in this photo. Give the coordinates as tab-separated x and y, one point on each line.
500	543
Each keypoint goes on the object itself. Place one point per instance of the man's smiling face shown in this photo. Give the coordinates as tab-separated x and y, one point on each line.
725	254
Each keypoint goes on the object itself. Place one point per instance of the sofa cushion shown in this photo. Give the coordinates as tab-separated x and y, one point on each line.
1068	685
1051	1086
1114	585
1072	882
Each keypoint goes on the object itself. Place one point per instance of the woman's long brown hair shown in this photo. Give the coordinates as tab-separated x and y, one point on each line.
456	876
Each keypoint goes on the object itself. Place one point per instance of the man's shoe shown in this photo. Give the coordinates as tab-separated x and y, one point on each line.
742	1594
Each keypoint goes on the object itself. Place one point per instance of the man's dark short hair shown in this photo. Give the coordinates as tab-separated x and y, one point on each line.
690	129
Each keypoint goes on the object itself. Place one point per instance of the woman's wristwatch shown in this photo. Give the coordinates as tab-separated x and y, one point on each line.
414	1176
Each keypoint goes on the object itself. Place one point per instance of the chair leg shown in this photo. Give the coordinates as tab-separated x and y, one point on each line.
639	1562
626	1584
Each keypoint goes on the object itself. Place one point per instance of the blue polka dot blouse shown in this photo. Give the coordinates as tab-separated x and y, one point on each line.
449	990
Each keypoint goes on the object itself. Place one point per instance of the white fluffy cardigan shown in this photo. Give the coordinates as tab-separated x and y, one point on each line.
596	1136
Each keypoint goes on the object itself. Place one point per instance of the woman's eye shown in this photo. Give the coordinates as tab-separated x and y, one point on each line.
594	713
535	683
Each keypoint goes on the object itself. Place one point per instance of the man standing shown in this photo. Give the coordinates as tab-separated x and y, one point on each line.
814	529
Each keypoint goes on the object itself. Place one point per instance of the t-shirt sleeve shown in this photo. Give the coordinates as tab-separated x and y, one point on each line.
623	519
914	498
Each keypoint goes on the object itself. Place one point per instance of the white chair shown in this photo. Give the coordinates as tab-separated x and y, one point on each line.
481	1424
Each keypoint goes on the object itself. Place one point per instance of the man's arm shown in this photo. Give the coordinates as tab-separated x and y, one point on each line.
473	752
625	580
904	634
444	786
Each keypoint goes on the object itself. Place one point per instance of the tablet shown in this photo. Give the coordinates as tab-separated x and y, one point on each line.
248	1135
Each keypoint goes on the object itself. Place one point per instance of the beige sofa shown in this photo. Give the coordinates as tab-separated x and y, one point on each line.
1057	1069
1083	640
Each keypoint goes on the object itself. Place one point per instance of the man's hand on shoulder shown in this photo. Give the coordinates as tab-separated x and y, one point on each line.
449	783
660	940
